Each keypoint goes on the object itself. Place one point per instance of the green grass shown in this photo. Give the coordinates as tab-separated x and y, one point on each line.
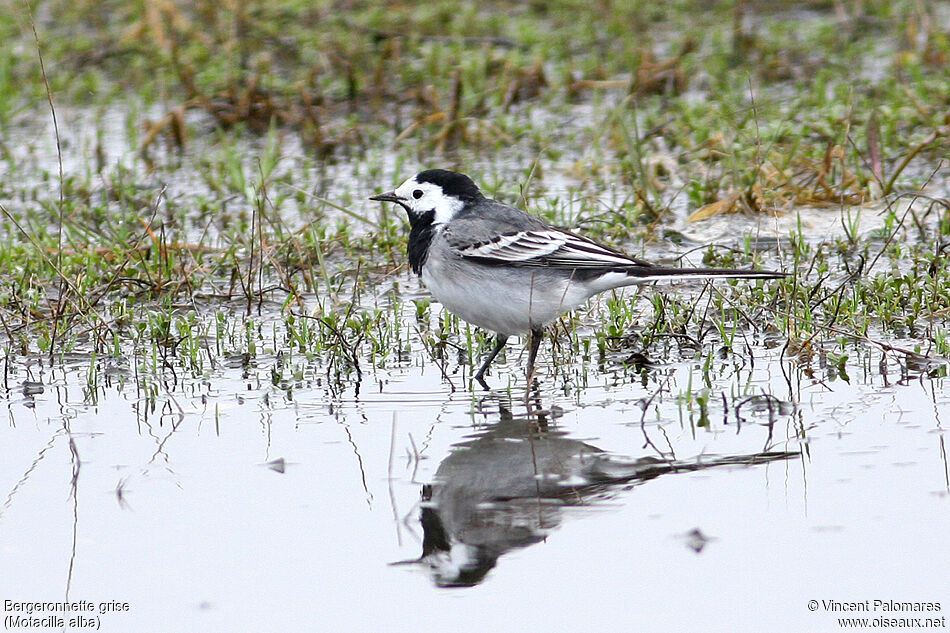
217	165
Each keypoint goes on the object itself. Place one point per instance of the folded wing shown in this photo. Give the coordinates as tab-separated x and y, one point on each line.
550	248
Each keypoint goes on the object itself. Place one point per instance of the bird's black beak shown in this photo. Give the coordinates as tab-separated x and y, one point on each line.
386	197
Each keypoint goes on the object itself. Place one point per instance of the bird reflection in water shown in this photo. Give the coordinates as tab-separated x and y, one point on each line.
508	486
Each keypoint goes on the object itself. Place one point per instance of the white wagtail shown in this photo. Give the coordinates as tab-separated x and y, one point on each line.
507	271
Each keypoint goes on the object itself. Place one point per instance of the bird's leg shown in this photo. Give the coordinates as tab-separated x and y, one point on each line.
535	343
499	344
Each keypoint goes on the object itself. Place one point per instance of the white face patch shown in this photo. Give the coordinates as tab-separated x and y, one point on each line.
421	197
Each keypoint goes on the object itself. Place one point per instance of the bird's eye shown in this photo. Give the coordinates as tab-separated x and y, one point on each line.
417	194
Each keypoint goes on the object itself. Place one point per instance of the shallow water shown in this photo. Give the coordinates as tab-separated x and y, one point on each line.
226	503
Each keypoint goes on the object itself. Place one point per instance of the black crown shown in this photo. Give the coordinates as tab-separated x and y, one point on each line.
452	183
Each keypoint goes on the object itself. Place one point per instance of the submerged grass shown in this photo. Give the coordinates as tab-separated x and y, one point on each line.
221	216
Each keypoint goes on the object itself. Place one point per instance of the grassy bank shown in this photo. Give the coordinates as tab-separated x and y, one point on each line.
216	161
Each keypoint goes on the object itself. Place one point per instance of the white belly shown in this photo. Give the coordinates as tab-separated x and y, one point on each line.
505	301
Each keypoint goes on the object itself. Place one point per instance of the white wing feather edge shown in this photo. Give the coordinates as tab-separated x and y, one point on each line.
525	246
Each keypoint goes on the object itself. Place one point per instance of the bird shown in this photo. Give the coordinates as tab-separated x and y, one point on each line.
507	271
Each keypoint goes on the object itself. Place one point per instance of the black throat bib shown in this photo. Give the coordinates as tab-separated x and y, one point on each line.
420	236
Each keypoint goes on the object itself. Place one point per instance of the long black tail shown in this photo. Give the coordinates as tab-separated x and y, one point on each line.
646	274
